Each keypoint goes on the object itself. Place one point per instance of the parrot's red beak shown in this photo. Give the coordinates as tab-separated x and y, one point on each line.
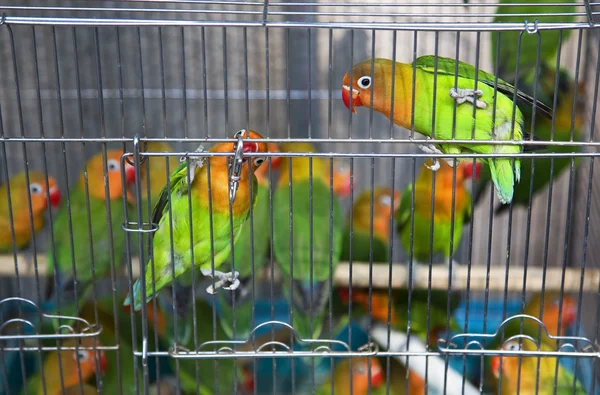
376	375
468	170
569	312
343	187
344	294
250	147
495	365
54	196
103	362
347	91
129	174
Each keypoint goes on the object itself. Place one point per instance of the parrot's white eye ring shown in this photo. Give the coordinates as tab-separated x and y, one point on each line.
258	161
386	200
512	346
81	355
364	82
35	188
112	165
239	133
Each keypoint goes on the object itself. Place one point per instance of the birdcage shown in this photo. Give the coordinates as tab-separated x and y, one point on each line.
386	247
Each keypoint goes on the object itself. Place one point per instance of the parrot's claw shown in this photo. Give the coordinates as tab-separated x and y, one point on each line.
468	95
194	162
431	149
450	161
435	167
222	279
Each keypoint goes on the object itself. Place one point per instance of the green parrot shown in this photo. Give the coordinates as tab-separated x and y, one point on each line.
246	244
543	129
20	208
75	210
509	40
442	211
306	307
173	209
384	203
373	87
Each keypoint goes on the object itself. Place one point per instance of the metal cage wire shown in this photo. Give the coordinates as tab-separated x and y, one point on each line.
88	76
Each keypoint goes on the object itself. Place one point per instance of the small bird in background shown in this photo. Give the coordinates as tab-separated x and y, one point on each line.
455	86
21	215
88	247
385	202
212	241
76	390
446	186
73	363
552	311
307	271
362	368
520	375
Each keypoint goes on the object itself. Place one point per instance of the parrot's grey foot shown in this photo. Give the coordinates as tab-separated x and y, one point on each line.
468	95
222	279
435	167
431	149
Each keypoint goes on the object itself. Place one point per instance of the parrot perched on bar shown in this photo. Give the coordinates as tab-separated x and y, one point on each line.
563	124
372	86
360	377
248	246
73	363
519	375
173	212
384	204
153	175
88	233
442	214
312	261
20	207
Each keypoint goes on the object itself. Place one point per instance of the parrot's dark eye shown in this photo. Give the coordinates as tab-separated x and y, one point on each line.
364	82
112	165
35	188
512	346
258	161
81	355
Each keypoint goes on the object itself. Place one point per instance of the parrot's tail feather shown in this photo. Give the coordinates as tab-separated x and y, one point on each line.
320	296
503	177
533	148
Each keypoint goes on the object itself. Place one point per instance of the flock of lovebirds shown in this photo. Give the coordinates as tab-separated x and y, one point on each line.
200	230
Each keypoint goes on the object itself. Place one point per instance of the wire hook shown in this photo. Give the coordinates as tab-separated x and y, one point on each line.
531	29
235	165
3	19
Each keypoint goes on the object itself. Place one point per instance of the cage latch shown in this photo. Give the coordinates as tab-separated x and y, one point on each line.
235	167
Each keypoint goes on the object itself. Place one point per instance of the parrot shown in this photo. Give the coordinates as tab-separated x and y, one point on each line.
552	302
360	377
242	250
373	87
397	380
75	210
76	390
442	214
72	364
385	202
20	207
543	129
309	299
519	375
173	209
508	50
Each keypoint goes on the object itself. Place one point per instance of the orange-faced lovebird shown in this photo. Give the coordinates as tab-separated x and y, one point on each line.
442	211
306	263
385	202
19	188
520	375
84	237
360	377
552	309
483	112
73	364
211	242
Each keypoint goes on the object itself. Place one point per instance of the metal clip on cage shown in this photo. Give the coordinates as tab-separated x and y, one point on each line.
271	349
29	329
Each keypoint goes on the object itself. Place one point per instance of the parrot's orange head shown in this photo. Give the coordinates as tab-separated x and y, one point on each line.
342	181
510	364
386	202
249	147
39	193
360	374
551	312
361	91
263	172
97	177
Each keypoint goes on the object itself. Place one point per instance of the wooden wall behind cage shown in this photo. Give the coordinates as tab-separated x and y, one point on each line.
226	65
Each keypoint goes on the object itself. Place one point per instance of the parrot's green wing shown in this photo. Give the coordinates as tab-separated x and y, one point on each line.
447	66
178	182
403	212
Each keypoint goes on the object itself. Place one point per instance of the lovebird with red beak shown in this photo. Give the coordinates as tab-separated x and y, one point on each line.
484	109
172	211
